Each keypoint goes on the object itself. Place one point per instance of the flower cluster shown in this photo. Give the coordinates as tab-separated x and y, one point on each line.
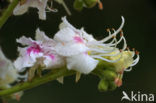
8	75
73	49
43	6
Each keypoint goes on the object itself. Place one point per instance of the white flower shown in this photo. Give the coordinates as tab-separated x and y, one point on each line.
82	51
41	48
71	45
82	63
8	74
41	5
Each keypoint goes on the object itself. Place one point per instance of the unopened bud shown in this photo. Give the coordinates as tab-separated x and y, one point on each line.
103	85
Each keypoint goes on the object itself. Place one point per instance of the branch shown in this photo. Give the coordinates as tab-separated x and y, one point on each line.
8	12
37	81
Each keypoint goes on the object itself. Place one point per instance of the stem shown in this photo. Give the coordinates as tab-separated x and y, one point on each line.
37	81
8	12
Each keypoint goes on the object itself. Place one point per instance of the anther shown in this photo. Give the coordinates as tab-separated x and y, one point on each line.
21	2
114	36
121	34
137	52
121	72
127	48
120	50
100	4
108	30
133	49
113	29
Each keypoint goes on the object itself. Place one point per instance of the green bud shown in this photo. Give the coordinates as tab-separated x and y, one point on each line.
108	74
78	5
90	3
103	85
105	65
112	86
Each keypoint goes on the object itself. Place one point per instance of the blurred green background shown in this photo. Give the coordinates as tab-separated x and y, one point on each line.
139	30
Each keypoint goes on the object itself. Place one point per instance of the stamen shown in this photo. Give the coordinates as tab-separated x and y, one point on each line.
136	61
121	33
100	5
108	30
64	5
117	42
101	51
22	2
125	44
116	32
107	60
127	48
108	54
136	52
133	49
128	69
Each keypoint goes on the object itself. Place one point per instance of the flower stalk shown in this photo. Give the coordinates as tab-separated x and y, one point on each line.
8	12
37	81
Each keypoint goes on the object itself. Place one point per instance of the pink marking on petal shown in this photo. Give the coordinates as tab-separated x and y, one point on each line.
78	39
52	56
35	49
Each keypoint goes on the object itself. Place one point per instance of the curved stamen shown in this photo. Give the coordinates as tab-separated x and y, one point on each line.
125	44
116	54
101	51
107	60
121	38
65	7
116	32
133	54
136	61
128	69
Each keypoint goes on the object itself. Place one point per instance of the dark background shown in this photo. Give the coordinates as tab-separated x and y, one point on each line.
139	30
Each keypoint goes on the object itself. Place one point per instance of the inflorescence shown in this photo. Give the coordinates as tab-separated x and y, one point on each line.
70	48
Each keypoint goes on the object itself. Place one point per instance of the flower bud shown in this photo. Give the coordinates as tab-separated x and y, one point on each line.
103	85
109	75
78	5
90	3
112	86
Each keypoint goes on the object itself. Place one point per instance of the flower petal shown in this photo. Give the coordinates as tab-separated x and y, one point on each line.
70	49
82	63
39	4
21	9
54	61
24	40
65	24
40	36
64	35
8	74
